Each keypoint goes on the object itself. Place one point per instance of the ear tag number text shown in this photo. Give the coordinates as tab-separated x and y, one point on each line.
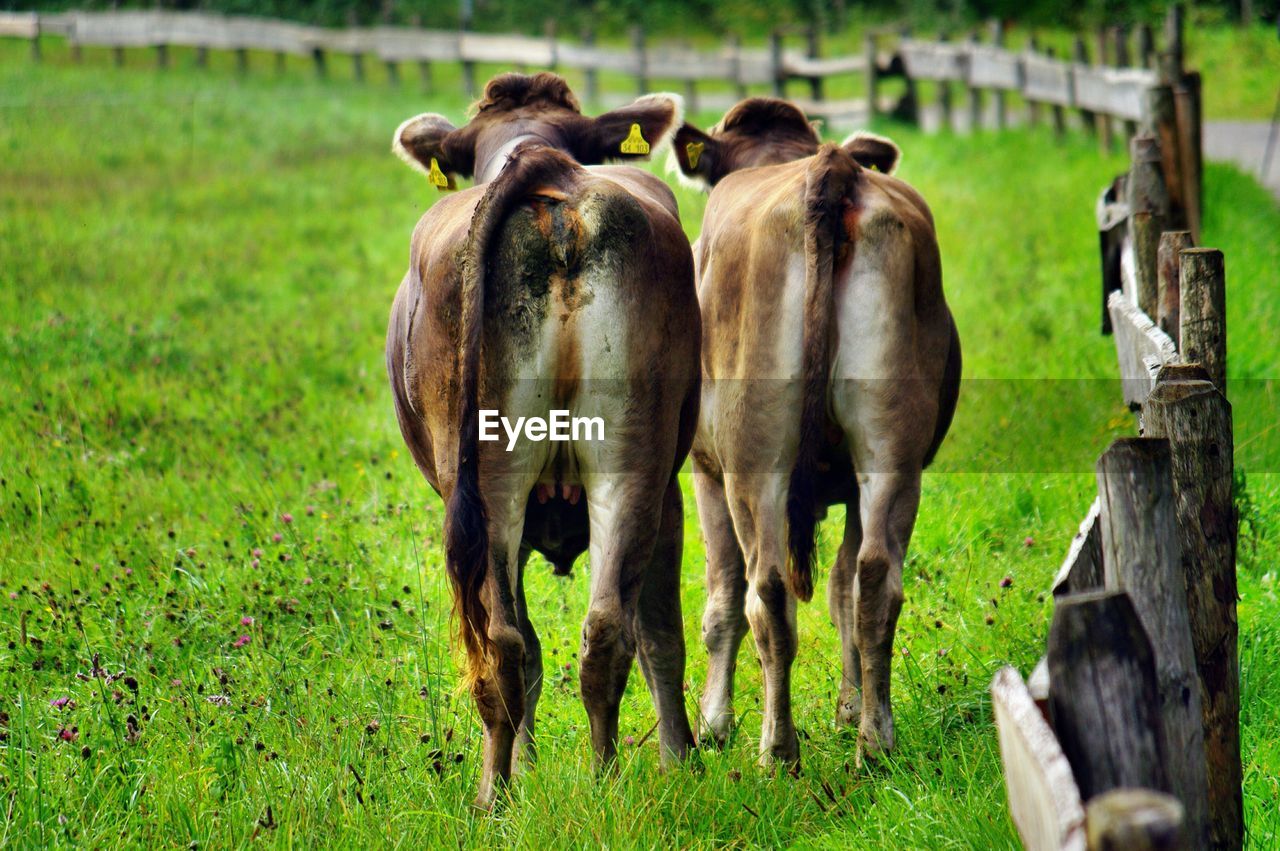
635	143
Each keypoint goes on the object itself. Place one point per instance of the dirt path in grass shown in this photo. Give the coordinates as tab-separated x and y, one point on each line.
1245	144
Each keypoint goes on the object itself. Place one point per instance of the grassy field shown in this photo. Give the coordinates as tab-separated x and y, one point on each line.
223	611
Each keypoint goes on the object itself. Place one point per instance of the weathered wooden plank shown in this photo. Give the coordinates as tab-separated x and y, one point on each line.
1047	80
1134	820
1043	798
1203	312
1113	91
1082	568
675	63
116	29
245	33
1103	696
505	49
586	56
1141	348
994	68
402	44
927	60
799	65
1195	417
1142	555
19	24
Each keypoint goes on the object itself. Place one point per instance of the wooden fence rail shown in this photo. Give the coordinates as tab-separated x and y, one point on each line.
1036	77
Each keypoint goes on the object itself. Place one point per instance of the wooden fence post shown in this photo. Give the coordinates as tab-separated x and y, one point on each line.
775	59
1168	272
35	41
1146	46
282	62
739	86
202	56
1103	120
242	60
317	59
1162	122
162	56
1134	820
117	54
1057	110
944	96
1080	55
1142	555
642	60
1187	109
973	97
871	45
909	106
1171	58
1196	419
1148	212
1102	678
1202	321
814	52
593	76
1033	107
997	95
1121	39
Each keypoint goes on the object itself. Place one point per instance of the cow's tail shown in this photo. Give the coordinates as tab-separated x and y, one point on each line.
830	184
466	518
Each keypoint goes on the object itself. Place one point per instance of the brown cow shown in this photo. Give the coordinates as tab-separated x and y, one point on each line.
831	368
553	287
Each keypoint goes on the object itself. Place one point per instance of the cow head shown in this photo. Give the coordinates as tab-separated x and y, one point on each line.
759	132
519	107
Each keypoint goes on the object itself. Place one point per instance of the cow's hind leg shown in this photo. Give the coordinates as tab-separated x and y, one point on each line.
660	630
842	604
624	521
525	750
724	622
771	611
500	691
887	503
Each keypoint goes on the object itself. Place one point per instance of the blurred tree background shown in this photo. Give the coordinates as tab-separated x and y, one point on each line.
687	17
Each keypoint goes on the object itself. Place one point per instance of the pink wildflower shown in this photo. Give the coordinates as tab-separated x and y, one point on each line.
241	641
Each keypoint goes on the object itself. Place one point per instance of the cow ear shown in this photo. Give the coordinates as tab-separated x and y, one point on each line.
433	146
694	157
872	151
635	131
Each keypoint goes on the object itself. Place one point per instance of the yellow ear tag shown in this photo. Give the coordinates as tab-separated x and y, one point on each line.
693	152
436	177
635	143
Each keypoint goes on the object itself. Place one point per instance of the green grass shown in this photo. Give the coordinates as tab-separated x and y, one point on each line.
195	273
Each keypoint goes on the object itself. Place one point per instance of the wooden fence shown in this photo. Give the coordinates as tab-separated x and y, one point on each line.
1100	92
1127	733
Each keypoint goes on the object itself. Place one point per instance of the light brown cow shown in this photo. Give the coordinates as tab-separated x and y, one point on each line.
553	287
831	368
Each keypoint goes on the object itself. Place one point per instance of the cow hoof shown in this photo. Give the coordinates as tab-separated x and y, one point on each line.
786	752
873	743
714	730
849	708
